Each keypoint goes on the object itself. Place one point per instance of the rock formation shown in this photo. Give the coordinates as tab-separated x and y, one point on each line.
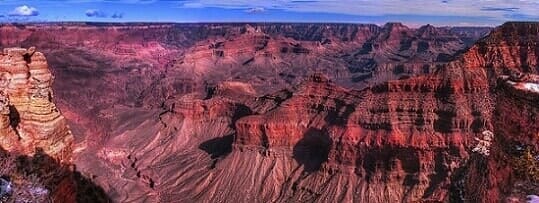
29	119
287	113
9	137
319	141
141	65
498	177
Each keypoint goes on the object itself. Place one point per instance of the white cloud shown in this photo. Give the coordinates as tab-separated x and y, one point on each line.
24	10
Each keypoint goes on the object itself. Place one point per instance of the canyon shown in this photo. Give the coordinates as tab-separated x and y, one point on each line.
278	112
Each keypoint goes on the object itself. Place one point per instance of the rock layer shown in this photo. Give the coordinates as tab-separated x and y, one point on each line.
177	132
29	118
317	141
497	177
141	65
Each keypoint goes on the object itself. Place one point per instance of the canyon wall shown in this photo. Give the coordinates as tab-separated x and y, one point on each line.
137	65
396	140
503	176
280	113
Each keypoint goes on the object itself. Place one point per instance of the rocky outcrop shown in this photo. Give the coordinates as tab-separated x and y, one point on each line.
498	175
328	129
29	118
509	58
517	108
9	137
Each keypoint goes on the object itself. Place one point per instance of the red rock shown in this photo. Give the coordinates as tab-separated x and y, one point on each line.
29	118
408	127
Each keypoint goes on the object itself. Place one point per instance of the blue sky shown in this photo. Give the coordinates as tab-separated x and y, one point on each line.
410	12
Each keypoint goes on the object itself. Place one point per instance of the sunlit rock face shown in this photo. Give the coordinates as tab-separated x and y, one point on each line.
29	119
9	137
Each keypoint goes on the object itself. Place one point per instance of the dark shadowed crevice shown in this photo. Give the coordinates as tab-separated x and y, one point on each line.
27	58
440	174
444	123
409	160
422	46
313	149
384	160
444	96
240	112
410	164
477	125
399	69
217	147
14	117
524	59
90	192
210	91
341	113
444	92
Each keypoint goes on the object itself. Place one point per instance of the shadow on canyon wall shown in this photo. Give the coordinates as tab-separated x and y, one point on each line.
313	149
218	147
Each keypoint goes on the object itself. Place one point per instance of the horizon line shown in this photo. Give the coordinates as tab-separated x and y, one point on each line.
258	22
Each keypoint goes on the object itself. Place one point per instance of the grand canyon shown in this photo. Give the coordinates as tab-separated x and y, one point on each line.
269	112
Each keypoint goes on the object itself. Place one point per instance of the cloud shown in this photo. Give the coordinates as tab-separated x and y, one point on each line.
485	11
95	13
458	8
256	10
507	9
24	10
16	2
101	14
117	15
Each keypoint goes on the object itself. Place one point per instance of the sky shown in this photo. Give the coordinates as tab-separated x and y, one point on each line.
410	12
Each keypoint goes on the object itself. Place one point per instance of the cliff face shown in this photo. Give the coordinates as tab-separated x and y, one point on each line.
133	66
351	55
319	141
175	131
506	174
29	118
